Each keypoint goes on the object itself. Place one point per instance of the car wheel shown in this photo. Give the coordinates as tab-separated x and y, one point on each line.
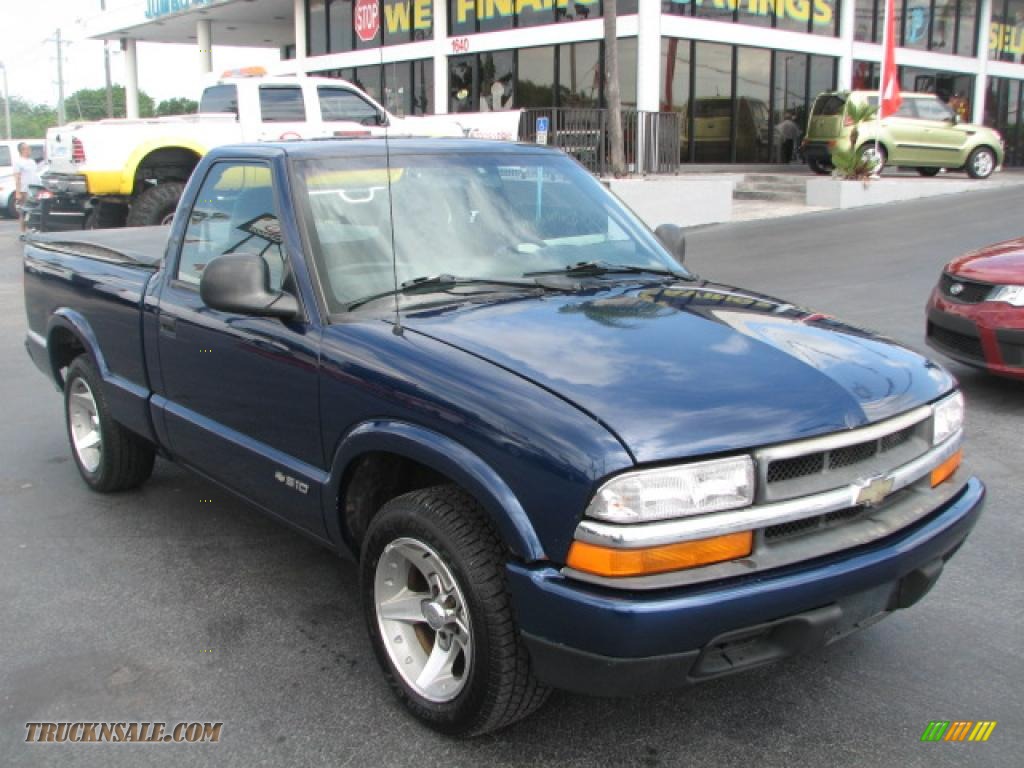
876	156
440	616
109	457
818	167
11	208
104	216
929	171
156	205
981	163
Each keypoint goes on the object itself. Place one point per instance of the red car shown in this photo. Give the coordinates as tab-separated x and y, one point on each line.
976	312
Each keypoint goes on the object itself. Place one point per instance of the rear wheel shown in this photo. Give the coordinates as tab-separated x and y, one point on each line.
818	167
109	457
11	207
981	163
877	158
156	205
928	171
440	617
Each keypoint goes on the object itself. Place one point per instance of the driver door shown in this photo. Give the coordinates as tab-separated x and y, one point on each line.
239	393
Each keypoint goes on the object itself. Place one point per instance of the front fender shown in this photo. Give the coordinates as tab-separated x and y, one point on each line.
443	455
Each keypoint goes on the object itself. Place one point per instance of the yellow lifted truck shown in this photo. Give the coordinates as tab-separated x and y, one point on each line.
112	173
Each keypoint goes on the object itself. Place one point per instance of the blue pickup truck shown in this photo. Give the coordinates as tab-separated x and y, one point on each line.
560	458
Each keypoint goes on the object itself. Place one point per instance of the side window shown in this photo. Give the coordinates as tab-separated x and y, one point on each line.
220	98
927	109
906	109
5	155
234	213
281	104
343	104
38	153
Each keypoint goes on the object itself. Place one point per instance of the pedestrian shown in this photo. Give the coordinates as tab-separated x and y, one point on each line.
26	174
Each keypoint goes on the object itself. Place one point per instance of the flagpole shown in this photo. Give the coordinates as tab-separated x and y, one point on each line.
881	69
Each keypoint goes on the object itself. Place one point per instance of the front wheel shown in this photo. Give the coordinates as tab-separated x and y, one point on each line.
981	163
440	617
109	457
874	157
11	208
156	205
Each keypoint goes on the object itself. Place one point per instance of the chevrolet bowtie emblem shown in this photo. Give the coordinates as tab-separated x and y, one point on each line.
873	491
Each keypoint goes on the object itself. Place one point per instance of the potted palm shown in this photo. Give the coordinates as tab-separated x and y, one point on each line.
847	163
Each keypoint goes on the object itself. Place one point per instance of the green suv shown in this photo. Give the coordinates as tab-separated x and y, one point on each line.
924	133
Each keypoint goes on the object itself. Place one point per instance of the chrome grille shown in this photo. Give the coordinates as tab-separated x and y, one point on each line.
842	459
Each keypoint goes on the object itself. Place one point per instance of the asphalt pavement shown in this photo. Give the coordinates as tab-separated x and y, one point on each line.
178	602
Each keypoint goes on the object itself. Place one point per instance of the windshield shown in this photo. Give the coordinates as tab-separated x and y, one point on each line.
486	216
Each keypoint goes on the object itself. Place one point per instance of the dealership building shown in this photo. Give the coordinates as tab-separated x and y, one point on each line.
734	69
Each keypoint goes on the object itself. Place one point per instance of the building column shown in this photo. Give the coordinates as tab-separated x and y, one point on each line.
648	64
981	81
204	36
299	14
131	78
847	29
441	57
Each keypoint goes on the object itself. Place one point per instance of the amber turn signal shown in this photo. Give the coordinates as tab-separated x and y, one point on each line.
605	561
946	469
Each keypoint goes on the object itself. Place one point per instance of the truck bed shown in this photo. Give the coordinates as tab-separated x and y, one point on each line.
131	246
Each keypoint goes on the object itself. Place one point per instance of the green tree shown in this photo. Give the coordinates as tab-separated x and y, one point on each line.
177	106
28	120
91	104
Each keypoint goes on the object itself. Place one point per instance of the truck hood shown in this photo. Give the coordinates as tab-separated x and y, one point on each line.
686	369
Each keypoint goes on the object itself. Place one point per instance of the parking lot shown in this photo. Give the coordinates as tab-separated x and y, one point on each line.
178	602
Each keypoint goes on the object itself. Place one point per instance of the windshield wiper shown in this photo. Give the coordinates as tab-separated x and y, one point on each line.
427	284
597	268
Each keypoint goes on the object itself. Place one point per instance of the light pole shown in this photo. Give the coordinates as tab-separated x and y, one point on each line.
7	103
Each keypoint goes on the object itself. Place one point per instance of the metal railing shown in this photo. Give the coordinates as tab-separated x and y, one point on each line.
650	139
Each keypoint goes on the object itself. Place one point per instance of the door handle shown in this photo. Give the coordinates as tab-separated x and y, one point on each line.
168	324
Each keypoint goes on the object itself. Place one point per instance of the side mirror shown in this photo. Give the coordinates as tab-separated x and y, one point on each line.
240	283
674	240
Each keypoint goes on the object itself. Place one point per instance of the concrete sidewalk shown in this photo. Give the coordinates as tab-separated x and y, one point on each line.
707	194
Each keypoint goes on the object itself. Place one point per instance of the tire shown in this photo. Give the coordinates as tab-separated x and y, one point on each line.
981	163
818	167
868	150
489	683
104	216
156	205
11	207
109	457
929	171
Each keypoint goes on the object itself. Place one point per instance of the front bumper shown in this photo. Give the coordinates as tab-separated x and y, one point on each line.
987	335
596	640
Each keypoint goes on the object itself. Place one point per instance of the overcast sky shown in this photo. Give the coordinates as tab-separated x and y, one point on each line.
27	28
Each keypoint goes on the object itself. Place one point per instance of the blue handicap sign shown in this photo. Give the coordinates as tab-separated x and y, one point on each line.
542	124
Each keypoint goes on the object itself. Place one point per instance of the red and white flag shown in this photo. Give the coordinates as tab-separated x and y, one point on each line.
889	98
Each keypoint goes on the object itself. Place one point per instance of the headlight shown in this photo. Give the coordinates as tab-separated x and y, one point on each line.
680	491
1011	294
947	418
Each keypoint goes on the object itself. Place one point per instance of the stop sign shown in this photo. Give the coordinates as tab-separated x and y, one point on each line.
367	19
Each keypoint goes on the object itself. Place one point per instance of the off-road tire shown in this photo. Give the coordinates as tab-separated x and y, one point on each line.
155	205
126	460
500	687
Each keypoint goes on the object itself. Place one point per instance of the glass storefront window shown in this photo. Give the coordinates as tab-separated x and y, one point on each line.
753	129
627	71
408	86
1006	36
579	74
339	16
789	105
316	25
535	84
711	105
944	26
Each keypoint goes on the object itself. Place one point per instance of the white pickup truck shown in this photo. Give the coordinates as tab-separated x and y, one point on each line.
111	173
